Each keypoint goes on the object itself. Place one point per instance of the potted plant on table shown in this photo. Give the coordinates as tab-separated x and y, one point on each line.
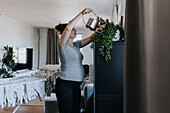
7	62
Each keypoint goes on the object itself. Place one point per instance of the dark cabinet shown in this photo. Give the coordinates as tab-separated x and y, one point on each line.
108	96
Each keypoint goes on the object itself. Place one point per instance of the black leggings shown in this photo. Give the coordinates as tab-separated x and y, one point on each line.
68	96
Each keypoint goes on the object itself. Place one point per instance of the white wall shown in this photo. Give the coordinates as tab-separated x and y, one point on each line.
18	34
86	51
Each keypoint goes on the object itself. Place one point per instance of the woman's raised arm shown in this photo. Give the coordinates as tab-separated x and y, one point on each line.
66	33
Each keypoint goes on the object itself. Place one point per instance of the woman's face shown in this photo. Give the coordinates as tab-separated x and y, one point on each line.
73	33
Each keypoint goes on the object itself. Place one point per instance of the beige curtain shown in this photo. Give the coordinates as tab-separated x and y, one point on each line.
52	48
42	46
147	67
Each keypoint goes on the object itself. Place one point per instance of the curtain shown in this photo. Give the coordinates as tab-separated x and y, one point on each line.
52	48
147	60
42	46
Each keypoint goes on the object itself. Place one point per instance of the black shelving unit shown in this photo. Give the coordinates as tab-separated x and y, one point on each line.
108	96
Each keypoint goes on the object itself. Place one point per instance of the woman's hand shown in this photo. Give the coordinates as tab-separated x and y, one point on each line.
102	27
87	10
86	41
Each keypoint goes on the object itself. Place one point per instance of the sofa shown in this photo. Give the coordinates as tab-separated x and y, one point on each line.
88	91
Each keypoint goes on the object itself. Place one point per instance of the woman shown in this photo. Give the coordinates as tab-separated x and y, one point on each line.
72	73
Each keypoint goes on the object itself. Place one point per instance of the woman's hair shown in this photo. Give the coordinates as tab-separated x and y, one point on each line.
61	27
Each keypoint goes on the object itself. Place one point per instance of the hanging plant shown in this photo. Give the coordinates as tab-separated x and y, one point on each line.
7	62
106	36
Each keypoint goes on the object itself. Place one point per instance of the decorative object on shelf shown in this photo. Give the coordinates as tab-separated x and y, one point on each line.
7	62
106	37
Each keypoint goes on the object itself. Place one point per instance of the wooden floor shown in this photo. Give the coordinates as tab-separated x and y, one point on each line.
36	106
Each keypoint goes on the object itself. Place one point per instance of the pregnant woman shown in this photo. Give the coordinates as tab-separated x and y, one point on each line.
72	72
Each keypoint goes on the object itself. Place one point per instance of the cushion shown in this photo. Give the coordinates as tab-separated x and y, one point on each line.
50	67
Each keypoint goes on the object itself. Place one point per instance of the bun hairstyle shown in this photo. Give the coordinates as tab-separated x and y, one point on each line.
61	27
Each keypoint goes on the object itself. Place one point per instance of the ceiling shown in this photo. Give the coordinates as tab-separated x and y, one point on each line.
48	13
